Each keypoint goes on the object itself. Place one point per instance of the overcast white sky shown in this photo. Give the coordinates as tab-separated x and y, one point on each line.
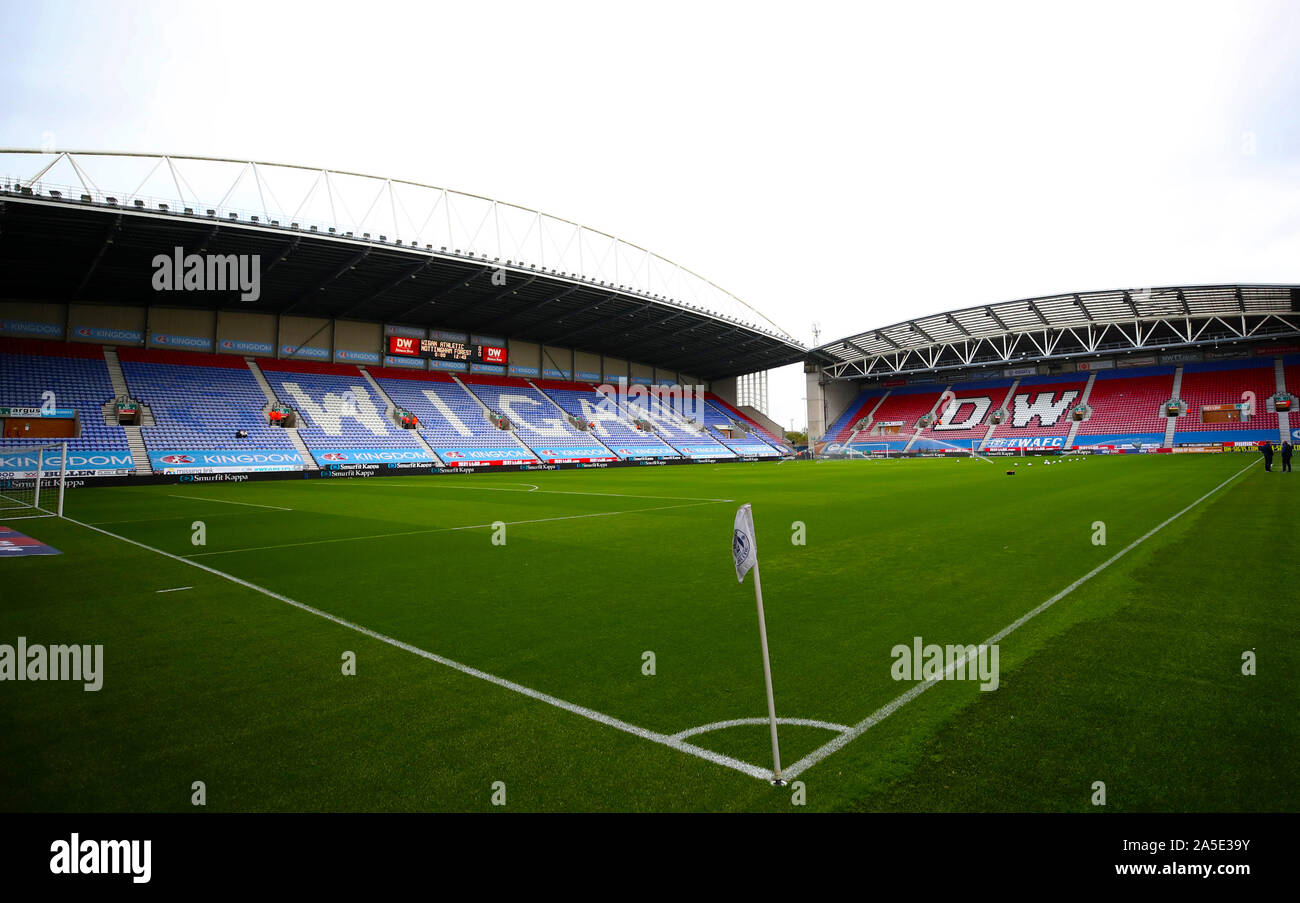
845	164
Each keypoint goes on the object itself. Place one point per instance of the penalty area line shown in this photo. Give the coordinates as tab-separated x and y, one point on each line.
889	708
672	742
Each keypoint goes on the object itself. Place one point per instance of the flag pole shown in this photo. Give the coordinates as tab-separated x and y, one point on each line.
767	677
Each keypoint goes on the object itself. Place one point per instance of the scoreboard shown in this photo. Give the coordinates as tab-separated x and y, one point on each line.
443	350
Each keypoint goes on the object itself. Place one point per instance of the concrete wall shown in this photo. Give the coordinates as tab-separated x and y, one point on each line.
832	400
557	359
358	343
612	369
181	329
305	338
725	389
106	325
242	332
525	359
585	364
33	319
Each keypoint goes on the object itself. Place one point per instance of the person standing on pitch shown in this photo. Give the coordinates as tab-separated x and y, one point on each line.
1286	457
1267	451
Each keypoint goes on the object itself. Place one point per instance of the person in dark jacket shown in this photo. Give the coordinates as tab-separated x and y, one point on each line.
1286	457
1267	450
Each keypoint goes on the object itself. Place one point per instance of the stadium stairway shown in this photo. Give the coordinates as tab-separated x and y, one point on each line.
1074	425
751	427
1283	417
566	414
390	413
916	434
134	439
692	440
1172	422
765	422
870	417
1011	390
139	454
487	411
615	431
1224	383
309	461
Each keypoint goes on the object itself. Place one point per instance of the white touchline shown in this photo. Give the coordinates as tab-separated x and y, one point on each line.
512	523
889	708
199	498
591	714
174	589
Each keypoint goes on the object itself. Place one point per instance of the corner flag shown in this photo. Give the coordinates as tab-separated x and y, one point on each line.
743	549
744	552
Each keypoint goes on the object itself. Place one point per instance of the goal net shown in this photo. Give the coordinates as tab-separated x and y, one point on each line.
32	480
929	443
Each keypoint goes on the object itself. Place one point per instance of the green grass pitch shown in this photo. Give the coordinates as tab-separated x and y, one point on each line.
1134	678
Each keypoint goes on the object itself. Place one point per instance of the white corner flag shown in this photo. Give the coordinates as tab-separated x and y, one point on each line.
744	551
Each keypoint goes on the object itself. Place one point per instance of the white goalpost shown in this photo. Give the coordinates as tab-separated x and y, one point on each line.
973	451
32	480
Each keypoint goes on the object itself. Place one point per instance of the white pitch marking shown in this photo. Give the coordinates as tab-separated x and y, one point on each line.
591	714
513	523
609	495
742	722
149	520
199	498
889	708
174	589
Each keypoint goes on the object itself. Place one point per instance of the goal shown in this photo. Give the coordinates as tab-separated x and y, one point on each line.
32	480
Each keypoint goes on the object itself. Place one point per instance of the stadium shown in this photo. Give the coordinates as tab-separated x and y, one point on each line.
394	498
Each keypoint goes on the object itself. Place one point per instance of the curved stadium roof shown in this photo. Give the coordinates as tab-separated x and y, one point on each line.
85	225
1067	326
